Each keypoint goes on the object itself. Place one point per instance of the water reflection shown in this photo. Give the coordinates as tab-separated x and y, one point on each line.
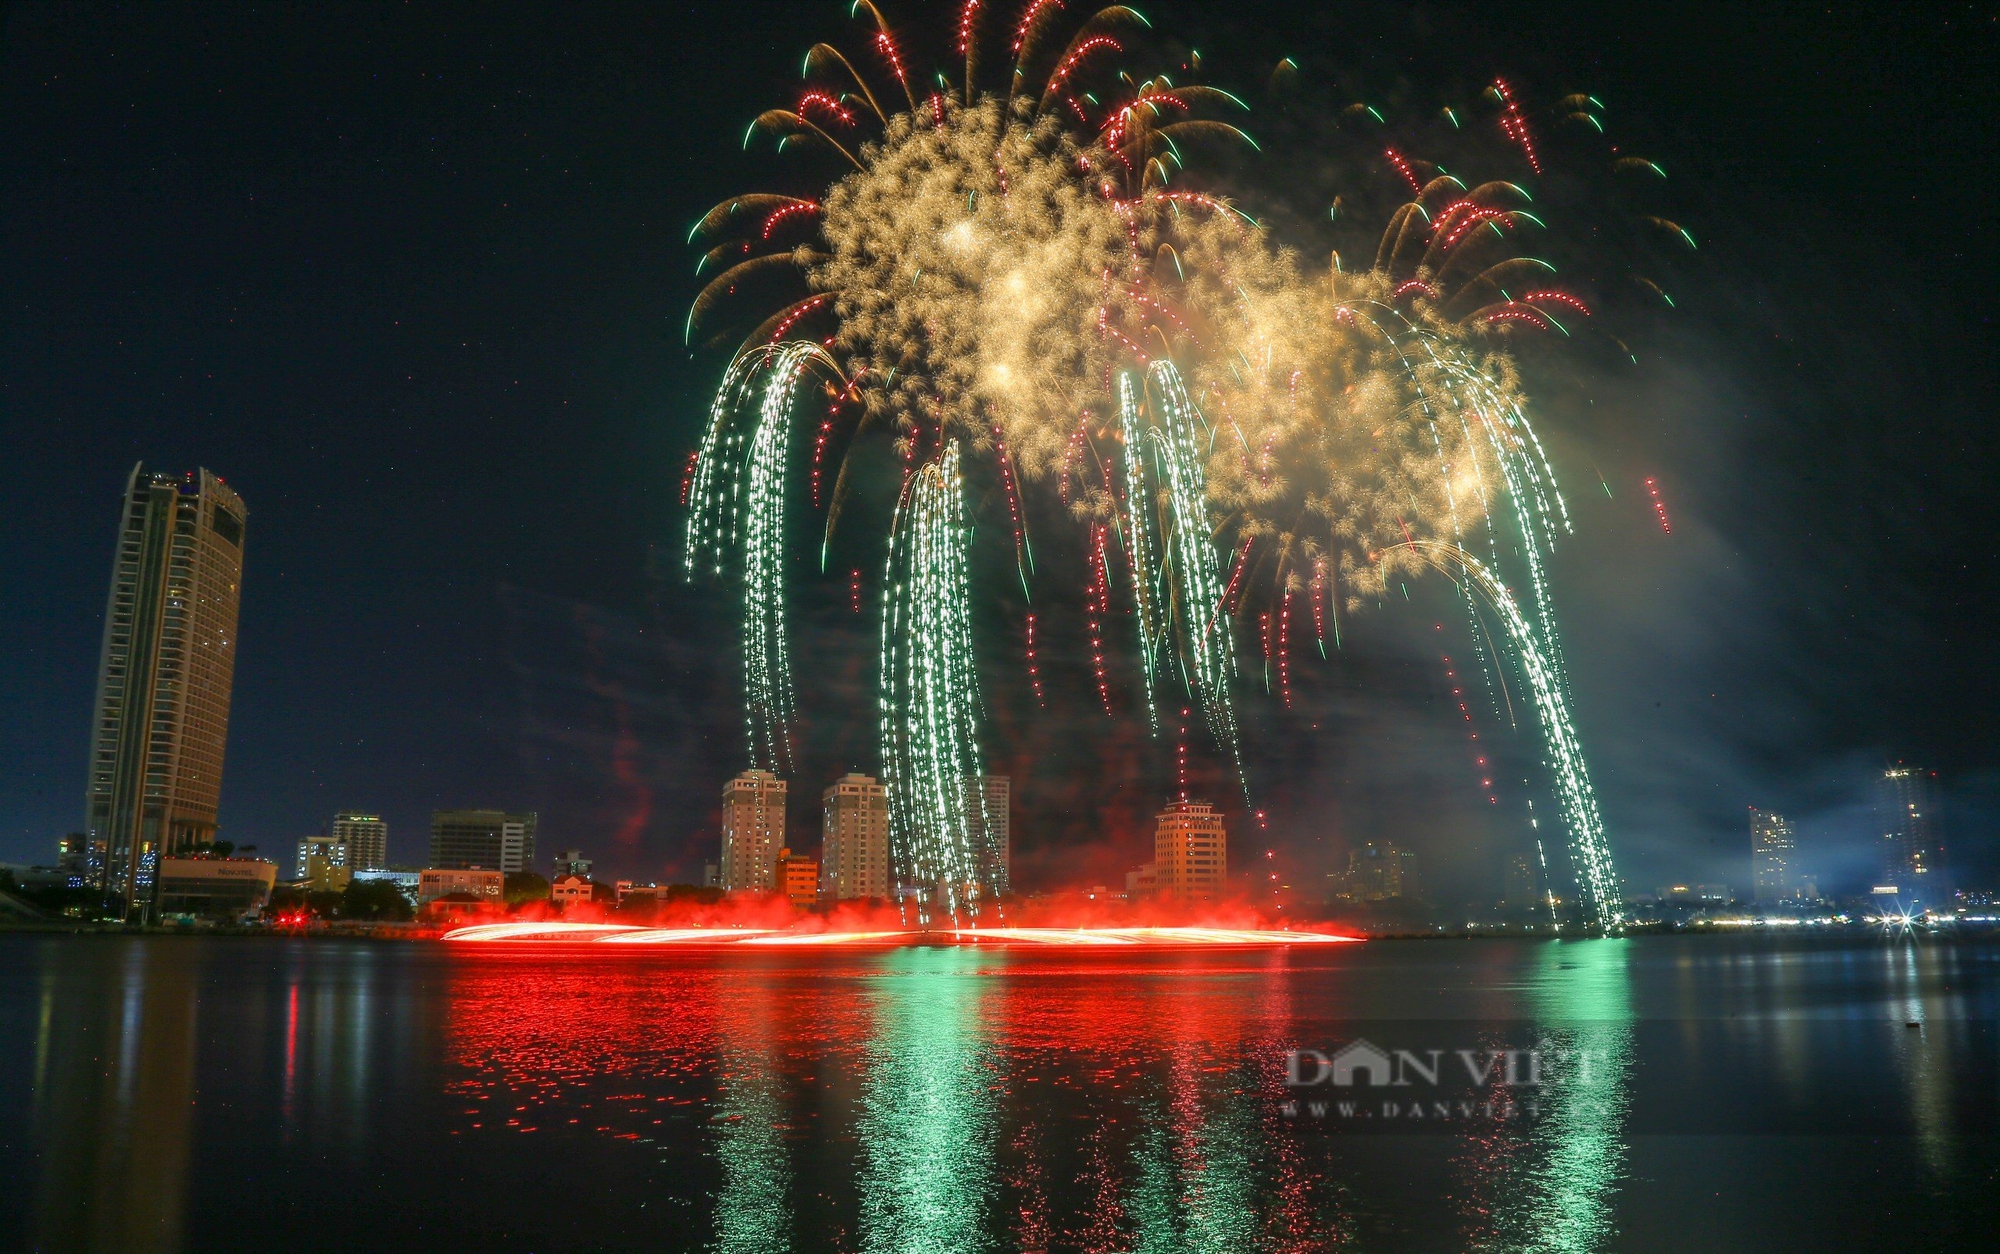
1583	1000
112	1105
753	1213
927	1125
1552	1186
959	1100
1926	1049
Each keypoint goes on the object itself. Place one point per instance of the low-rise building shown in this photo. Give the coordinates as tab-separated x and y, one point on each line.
567	890
434	883
624	891
797	878
231	888
1142	881
407	882
325	877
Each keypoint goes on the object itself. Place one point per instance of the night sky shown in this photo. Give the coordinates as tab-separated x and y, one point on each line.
412	279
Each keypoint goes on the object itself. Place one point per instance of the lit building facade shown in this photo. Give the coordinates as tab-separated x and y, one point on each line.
364	839
854	839
989	801
797	878
1906	812
486	887
1773	857
1379	871
316	853
229	888
324	872
489	839
1190	853
164	676
81	860
1522	885
753	831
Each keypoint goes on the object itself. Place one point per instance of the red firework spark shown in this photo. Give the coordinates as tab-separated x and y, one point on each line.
1479	759
1098	604
1403	167
1515	126
1285	648
1034	670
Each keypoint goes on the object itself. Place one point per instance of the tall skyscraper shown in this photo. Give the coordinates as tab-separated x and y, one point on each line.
164	675
1773	856
753	830
491	840
1191	852
989	821
1379	871
365	838
1523	883
854	839
1906	813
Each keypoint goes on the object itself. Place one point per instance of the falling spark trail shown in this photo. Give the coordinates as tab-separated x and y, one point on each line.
930	699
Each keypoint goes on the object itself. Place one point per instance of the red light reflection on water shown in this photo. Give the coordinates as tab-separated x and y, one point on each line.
1059	1088
1184	937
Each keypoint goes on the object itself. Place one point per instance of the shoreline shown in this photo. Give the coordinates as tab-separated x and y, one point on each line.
409	932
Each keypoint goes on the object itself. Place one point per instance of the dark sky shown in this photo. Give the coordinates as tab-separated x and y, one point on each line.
412	279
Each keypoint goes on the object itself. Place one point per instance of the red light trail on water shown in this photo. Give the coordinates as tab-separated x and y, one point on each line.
621	934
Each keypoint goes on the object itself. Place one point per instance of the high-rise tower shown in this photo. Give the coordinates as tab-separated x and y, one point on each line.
365	838
164	675
854	839
1773	858
753	830
1906	812
988	821
1191	852
491	840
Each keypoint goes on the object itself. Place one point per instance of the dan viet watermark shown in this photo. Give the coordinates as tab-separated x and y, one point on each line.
1409	1089
1692	1075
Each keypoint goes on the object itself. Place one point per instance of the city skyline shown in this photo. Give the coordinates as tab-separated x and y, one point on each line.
999	625
552	668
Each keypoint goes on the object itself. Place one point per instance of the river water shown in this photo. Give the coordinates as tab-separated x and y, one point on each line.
1655	1093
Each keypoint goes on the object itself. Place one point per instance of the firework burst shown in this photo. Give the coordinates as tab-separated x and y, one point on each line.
1019	275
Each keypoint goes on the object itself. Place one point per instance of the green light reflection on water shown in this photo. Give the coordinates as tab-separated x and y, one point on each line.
1199	1160
1195	1186
1581	995
927	1110
752	1206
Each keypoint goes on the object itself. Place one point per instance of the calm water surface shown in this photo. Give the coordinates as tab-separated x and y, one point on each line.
256	1094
